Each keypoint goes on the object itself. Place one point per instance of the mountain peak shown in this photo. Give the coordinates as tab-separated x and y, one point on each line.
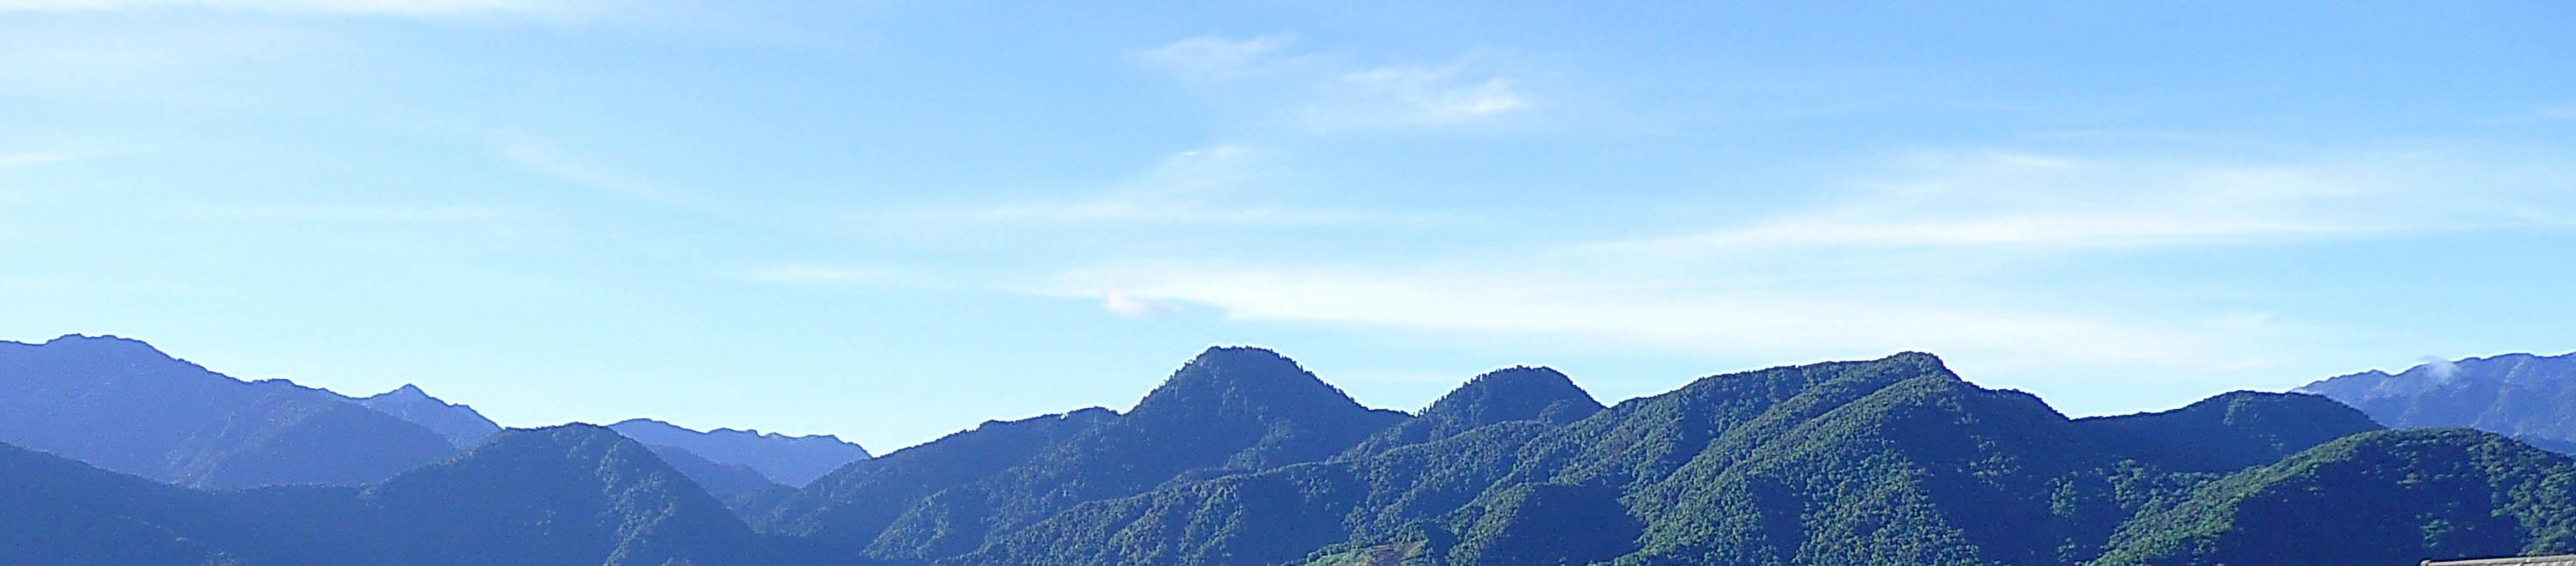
1511	394
1241	380
462	425
2229	431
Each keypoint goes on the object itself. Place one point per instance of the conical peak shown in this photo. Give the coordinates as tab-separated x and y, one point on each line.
1515	393
407	392
1247	380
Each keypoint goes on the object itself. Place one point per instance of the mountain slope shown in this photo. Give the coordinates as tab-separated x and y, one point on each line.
2519	395
2228	432
1510	394
845	508
2391	497
791	460
462	425
124	406
1229	410
58	511
571	494
574	495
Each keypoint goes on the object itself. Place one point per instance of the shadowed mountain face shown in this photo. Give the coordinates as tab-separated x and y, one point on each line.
60	512
575	495
571	494
2229	432
461	425
122	405
1242	458
1513	394
2388	497
2519	395
1231	410
791	460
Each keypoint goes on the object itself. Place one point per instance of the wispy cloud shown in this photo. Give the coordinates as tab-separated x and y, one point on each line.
1220	59
1999	198
348	213
1415	95
544	159
17	160
1227	185
409	8
1123	304
1608	307
1325	92
810	274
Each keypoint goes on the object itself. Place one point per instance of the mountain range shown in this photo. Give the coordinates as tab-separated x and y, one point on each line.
122	405
1243	458
2532	398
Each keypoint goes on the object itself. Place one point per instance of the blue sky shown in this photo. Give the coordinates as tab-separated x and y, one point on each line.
891	220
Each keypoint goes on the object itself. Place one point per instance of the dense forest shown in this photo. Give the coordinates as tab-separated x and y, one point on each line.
1242	458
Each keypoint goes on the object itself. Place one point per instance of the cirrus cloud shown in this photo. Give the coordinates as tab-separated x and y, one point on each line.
1325	92
409	8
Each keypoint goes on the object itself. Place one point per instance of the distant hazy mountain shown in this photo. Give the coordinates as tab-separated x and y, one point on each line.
122	405
461	425
741	488
560	496
2518	395
791	460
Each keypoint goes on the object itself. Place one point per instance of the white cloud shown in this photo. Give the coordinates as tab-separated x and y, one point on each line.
1683	316
1325	92
1217	59
348	213
805	274
1216	186
413	8
17	160
1994	198
1416	95
1130	306
544	159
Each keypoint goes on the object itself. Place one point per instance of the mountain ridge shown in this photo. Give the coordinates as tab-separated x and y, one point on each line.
2519	395
1242	457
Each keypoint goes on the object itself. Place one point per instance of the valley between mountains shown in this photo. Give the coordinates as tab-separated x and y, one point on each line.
117	454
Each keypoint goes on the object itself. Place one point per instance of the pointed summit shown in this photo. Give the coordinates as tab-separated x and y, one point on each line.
461	425
1238	382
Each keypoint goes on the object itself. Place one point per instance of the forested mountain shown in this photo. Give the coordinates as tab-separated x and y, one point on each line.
569	495
741	488
791	460
2372	498
122	405
1243	458
2228	432
2519	395
1231	410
